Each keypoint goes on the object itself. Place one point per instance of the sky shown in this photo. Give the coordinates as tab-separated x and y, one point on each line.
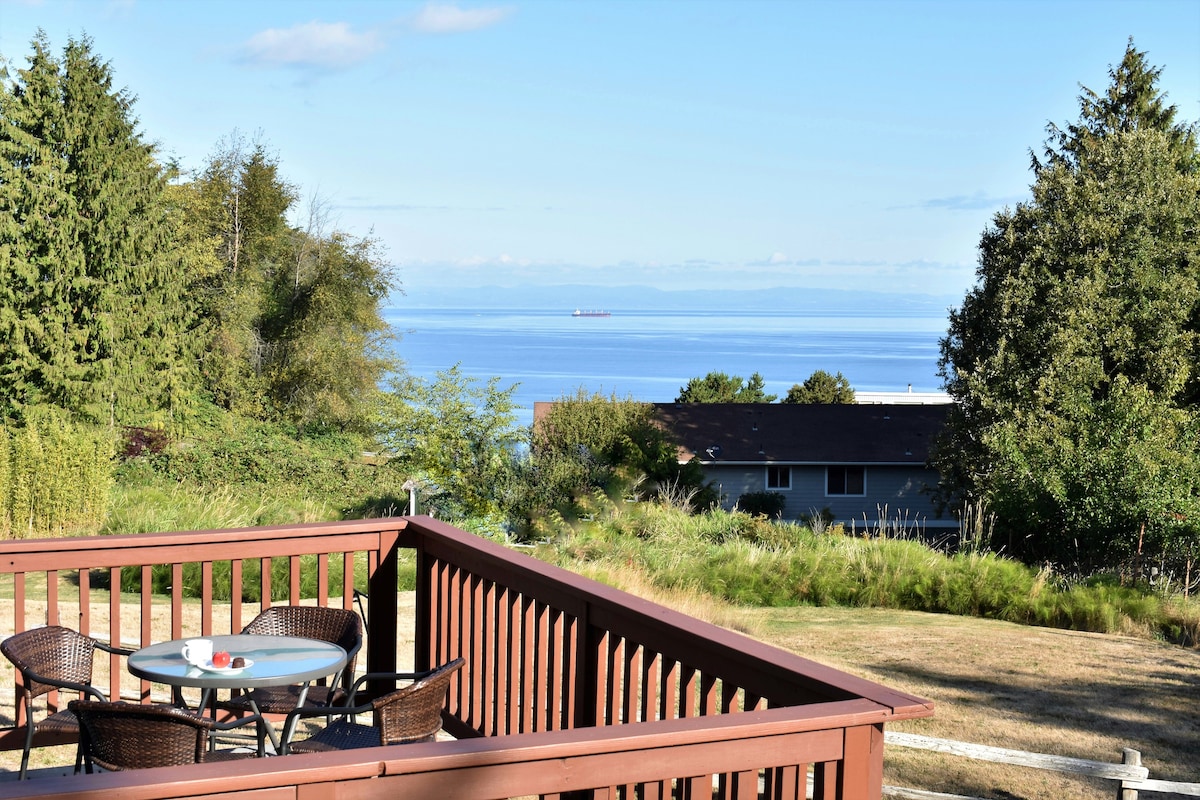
665	143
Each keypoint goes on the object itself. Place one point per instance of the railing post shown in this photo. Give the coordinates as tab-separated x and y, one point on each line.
381	610
860	774
1129	757
587	681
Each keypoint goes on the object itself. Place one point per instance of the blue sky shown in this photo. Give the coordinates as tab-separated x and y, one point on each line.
858	145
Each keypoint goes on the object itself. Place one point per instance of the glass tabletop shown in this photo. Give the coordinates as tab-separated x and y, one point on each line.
271	661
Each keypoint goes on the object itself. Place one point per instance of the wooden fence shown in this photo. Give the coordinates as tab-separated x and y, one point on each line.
1131	776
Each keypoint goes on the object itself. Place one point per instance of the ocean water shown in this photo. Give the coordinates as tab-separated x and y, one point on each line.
651	355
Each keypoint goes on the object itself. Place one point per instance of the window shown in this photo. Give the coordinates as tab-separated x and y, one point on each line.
779	477
845	480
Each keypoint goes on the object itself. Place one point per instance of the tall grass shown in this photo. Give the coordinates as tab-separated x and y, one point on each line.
55	476
149	504
751	561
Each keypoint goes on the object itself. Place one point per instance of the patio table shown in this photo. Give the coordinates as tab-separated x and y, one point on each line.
271	661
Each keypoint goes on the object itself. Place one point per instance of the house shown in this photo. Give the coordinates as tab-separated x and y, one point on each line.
865	464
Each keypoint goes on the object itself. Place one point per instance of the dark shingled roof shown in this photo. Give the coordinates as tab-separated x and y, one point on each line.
789	433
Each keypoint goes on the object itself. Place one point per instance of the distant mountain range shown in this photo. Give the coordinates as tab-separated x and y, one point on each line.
644	298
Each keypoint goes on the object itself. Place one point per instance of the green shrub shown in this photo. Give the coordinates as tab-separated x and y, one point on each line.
767	504
327	469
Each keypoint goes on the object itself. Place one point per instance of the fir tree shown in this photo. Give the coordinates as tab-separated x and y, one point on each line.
95	317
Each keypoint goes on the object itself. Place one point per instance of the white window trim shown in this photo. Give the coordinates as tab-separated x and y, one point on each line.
767	478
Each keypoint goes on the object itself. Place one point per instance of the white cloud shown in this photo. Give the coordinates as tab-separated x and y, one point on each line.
445	18
978	201
325	45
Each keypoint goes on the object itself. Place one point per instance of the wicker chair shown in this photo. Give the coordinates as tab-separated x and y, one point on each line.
48	658
120	736
410	714
335	625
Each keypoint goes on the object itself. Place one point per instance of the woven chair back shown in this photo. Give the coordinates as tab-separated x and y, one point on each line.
52	652
120	736
338	625
414	712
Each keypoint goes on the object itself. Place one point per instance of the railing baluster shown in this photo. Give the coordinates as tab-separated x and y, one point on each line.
570	666
556	666
114	632
177	600
478	659
502	679
146	630
85	601
52	598
510	619
264	579
529	665
235	596
322	579
206	598
294	580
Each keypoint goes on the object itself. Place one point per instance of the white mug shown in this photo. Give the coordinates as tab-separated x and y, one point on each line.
197	651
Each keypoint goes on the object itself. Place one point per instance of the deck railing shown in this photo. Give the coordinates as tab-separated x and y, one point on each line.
569	687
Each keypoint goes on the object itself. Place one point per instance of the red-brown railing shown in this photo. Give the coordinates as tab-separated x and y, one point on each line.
569	686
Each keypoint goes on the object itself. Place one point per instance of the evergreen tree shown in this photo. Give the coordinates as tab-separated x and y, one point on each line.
1084	317
40	263
717	387
1131	102
94	317
821	388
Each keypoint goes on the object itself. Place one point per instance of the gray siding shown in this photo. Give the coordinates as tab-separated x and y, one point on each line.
894	490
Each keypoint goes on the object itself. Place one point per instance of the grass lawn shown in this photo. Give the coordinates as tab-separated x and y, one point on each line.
1037	689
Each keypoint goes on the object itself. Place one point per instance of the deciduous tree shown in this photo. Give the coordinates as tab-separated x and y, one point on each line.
588	443
455	434
330	349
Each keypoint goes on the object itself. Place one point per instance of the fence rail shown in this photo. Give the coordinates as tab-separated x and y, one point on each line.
1132	777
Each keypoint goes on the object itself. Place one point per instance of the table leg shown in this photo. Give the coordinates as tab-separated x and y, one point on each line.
271	732
287	733
207	699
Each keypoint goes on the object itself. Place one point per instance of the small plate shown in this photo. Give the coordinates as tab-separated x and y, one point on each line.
207	666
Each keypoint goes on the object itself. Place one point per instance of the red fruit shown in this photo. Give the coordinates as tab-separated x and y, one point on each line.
221	659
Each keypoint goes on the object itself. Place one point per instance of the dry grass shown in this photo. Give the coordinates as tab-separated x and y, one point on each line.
1035	689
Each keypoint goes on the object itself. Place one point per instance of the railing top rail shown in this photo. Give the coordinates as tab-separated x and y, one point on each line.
17	547
707	646
297	770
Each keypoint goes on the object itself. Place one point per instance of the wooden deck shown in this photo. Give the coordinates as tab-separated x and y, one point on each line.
571	688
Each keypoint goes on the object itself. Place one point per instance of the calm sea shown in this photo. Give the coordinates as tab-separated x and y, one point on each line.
650	355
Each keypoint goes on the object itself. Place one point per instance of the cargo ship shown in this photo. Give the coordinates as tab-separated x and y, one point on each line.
578	313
